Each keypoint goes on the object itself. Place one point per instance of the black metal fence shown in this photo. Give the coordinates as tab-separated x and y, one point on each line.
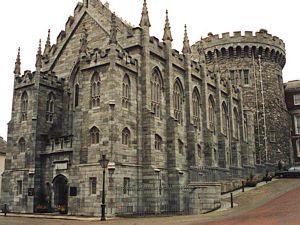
156	200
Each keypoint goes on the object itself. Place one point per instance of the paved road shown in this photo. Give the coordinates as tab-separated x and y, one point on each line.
277	203
284	210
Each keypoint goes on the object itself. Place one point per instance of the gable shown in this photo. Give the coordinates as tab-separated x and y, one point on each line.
65	53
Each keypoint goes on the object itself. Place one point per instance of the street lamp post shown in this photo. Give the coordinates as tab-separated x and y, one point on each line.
104	163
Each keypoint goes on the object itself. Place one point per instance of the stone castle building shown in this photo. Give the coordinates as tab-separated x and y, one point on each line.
164	119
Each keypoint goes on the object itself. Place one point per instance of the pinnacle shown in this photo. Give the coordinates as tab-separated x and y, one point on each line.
167	30
113	30
186	44
17	70
40	48
145	22
47	45
38	63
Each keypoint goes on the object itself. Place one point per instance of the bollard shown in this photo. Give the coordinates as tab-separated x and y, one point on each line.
243	186
5	209
231	200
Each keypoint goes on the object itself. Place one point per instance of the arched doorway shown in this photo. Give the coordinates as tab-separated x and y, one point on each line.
60	189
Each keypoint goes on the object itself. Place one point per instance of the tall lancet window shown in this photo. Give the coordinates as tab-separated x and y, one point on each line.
178	100
225	123
50	108
95	90
24	106
235	123
156	93
125	92
211	114
76	95
196	108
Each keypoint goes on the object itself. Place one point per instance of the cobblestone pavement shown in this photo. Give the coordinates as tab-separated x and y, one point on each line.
265	205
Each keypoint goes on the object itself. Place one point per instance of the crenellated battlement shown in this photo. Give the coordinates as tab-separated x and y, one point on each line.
261	44
261	36
25	79
126	60
154	41
50	79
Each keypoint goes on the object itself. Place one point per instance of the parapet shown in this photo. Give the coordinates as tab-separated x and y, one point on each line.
262	36
261	44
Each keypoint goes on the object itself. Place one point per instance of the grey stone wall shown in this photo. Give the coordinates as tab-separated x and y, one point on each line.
63	146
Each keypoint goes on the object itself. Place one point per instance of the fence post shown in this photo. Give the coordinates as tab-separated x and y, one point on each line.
5	209
243	185
231	199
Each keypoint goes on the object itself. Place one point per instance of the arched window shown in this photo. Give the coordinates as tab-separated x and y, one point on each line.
180	146
126	136
211	114
223	52
22	145
178	100
50	107
224	118
76	95
95	92
238	51
215	157
125	92
231	52
158	142
156	93
245	128
196	108
24	106
94	135
199	151
235	123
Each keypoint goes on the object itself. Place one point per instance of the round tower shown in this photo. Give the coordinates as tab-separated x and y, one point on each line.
254	62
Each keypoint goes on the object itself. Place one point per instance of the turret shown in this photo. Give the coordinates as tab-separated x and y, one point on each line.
255	63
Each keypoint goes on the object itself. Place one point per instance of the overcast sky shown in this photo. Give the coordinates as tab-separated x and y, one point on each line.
24	22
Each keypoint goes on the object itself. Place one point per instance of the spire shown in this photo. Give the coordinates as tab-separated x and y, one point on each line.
167	30
186	49
38	63
47	46
17	70
145	22
113	30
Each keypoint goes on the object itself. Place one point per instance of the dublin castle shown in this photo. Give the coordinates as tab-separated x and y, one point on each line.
168	121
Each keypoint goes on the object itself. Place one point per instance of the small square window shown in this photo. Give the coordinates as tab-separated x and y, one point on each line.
126	185
93	185
19	187
297	99
246	77
272	136
297	124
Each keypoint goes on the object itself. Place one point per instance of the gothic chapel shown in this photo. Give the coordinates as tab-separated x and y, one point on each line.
173	125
